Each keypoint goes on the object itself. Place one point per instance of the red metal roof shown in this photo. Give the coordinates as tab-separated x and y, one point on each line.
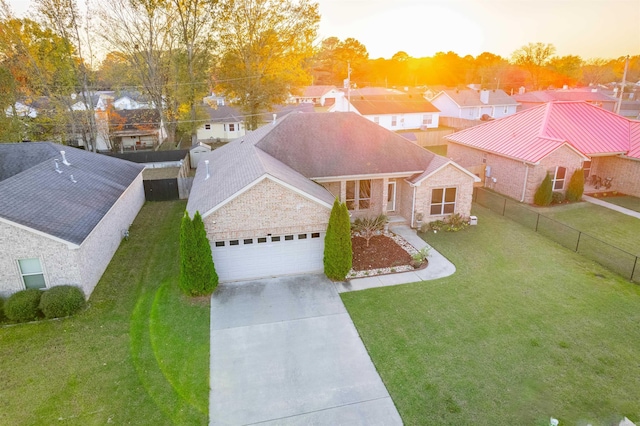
534	133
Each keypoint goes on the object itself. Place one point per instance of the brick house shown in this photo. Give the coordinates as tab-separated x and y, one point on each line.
62	216
266	198
516	152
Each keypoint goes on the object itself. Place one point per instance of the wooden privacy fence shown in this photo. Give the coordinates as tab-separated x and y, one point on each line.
608	255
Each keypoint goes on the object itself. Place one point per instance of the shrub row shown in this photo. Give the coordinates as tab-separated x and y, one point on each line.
31	304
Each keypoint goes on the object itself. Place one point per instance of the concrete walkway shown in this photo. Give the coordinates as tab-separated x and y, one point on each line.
284	351
611	206
439	267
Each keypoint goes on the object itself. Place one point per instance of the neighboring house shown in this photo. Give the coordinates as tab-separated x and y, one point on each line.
318	95
62	216
20	109
592	96
555	138
227	123
130	130
474	104
266	198
393	112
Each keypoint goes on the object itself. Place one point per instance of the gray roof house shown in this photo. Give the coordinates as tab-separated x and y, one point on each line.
474	104
265	198
63	213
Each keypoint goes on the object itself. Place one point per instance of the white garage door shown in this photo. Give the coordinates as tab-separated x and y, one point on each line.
259	257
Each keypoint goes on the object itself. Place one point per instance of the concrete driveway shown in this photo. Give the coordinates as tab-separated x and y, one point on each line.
284	351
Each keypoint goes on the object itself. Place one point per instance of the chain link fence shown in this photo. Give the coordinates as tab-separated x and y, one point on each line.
610	256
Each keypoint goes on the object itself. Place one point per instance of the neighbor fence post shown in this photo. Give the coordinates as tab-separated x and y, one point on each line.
633	271
504	206
537	221
578	242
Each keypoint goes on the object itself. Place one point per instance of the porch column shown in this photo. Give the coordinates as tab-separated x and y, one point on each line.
385	194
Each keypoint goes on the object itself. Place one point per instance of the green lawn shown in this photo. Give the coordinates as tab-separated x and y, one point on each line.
138	355
632	203
605	224
524	330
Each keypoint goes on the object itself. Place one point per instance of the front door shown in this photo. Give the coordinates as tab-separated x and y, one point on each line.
391	197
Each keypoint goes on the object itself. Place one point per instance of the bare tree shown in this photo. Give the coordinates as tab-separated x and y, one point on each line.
533	57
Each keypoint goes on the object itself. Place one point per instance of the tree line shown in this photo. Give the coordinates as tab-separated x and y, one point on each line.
253	52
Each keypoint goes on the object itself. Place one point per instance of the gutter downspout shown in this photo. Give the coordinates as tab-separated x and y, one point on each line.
526	178
413	205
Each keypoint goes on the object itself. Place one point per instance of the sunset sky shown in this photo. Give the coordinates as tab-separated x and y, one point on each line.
589	28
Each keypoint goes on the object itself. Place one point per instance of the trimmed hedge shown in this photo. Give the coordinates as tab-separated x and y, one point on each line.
61	301
198	275
544	194
576	186
338	253
23	305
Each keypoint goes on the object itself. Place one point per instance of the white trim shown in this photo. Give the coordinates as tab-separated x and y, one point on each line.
69	244
395	187
526	178
257	181
369	176
457	166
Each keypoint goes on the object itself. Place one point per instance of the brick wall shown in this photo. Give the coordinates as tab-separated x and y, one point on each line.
449	177
625	173
98	248
266	208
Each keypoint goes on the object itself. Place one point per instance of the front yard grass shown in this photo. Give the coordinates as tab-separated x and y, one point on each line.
627	201
138	355
600	222
524	330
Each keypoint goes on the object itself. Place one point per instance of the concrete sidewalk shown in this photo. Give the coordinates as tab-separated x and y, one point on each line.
611	206
439	267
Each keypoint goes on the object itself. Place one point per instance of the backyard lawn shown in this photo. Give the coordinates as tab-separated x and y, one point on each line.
138	355
608	225
524	330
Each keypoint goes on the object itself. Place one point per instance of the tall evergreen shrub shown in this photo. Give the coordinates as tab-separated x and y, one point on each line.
338	254
544	193
206	269
576	186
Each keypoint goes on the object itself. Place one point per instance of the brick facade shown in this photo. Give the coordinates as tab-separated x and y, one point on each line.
448	177
625	173
510	174
64	263
266	208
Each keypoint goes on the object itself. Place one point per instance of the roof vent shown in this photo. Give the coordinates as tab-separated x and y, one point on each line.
274	118
64	159
72	179
206	163
57	166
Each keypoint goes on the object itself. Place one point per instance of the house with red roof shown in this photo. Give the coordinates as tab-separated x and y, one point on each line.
265	198
556	138
592	96
395	112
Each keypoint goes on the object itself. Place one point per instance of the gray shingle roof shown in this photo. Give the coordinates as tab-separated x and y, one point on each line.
470	97
399	104
36	196
303	146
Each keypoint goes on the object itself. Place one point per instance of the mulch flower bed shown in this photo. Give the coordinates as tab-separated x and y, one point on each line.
387	253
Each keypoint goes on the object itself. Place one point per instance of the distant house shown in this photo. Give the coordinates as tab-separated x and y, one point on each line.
393	112
558	138
318	95
226	123
266	198
474	104
63	214
594	97
130	130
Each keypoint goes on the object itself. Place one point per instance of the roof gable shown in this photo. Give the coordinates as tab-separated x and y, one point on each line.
401	104
471	98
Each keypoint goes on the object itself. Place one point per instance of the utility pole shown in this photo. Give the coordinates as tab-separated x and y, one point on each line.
349	86
624	82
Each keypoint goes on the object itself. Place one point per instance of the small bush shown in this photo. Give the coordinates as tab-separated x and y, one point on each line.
576	186
23	305
367	227
557	197
544	193
61	301
454	223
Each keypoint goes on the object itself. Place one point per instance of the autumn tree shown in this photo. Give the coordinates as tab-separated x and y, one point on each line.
567	70
264	49
597	71
533	58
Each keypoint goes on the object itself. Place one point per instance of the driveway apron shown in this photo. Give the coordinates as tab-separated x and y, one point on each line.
284	351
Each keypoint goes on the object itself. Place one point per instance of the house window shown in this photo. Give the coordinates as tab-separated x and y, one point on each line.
219	243
31	272
315	235
376	120
558	175
427	119
262	240
276	239
586	166
207	126
302	236
505	110
484	158
358	194
394	120
232	127
443	201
